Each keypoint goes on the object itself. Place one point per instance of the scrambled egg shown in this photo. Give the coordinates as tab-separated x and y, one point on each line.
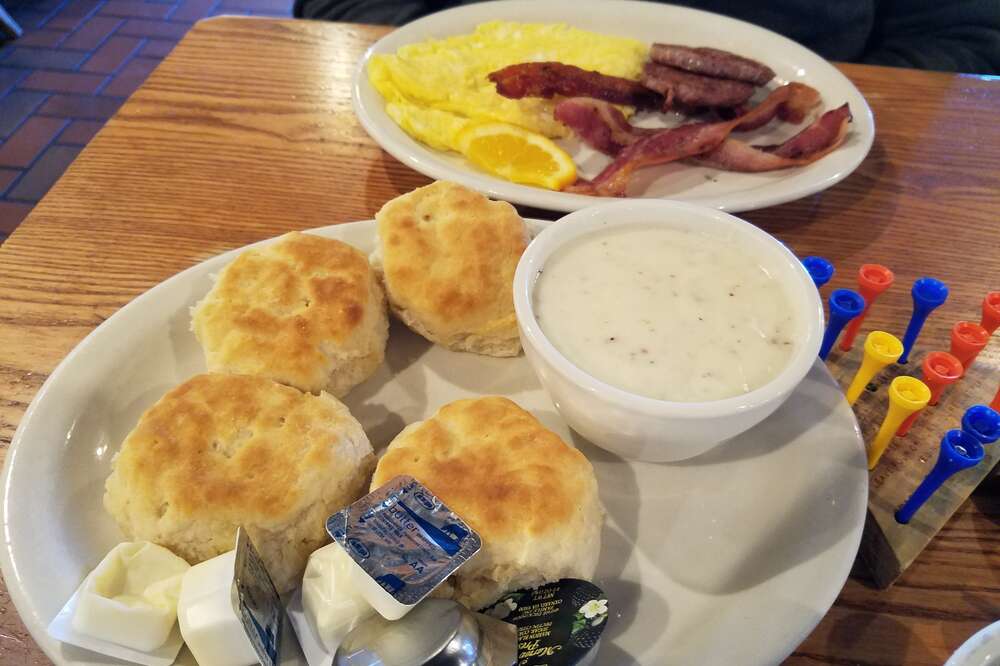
434	89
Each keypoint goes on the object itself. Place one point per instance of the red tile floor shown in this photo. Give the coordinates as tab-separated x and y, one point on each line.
75	64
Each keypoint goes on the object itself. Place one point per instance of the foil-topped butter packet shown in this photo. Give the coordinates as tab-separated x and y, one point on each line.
406	542
256	601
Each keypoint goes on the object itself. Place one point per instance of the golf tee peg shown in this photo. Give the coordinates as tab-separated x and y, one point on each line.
991	312
940	369
873	279
880	350
983	423
967	340
907	395
928	294
959	450
845	305
820	270
995	404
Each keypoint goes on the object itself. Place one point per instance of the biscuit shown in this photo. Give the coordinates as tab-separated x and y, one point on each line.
305	311
446	256
532	498
220	451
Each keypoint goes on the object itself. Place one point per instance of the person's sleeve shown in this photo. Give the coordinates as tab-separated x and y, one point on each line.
386	12
945	35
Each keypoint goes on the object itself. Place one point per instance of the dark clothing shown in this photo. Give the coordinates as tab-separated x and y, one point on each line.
946	35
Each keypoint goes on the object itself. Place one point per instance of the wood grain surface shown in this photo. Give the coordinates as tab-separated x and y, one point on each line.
246	131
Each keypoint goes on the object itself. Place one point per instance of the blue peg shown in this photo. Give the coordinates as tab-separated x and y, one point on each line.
820	270
983	423
928	294
845	305
959	450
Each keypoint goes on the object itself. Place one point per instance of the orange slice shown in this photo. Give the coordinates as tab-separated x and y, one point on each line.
517	155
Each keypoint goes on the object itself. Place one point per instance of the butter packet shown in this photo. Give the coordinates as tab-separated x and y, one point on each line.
131	597
326	607
229	611
256	601
558	624
313	648
61	629
404	541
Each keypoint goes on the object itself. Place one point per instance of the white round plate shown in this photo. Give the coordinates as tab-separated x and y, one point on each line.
732	557
982	649
647	22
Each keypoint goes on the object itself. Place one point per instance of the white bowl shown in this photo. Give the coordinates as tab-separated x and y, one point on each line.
640	427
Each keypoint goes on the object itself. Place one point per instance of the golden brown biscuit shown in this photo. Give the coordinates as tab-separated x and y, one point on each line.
220	451
447	256
532	498
306	311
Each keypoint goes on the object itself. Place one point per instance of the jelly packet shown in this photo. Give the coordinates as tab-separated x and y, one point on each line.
406	542
558	624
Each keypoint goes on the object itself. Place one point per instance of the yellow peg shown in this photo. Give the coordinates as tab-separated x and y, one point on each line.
907	395
881	349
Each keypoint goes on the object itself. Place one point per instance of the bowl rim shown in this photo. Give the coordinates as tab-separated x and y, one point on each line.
624	212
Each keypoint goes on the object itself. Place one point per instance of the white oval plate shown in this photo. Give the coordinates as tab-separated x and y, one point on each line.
982	649
729	558
647	22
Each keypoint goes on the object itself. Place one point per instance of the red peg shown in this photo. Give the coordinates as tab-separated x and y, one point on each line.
873	279
967	340
991	312
996	401
940	369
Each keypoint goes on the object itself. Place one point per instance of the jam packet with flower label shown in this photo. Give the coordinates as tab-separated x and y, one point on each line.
558	624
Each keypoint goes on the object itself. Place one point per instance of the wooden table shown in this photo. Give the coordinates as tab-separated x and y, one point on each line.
246	131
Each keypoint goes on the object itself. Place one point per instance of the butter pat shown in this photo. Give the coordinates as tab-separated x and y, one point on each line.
331	602
130	599
209	624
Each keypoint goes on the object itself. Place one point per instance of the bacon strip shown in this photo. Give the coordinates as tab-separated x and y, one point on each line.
712	62
680	88
831	127
605	128
602	126
547	79
664	146
819	139
687	140
790	103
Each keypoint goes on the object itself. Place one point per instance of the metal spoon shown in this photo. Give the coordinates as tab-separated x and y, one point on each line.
437	632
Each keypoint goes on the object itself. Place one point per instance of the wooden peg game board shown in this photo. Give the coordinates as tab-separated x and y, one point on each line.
887	547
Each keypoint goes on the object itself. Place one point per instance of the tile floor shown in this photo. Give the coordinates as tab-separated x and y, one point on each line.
75	64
